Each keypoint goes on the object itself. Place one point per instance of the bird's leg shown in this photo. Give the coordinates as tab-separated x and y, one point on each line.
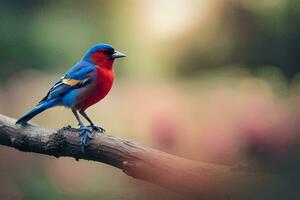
85	134
92	125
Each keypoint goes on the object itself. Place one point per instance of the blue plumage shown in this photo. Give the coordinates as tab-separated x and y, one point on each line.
76	89
96	48
38	109
63	93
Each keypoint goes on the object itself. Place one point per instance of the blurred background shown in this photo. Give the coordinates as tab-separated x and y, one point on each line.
210	80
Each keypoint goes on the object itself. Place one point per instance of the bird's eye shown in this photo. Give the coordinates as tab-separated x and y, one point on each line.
109	51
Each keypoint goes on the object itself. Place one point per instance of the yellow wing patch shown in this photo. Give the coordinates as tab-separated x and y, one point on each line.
74	82
71	82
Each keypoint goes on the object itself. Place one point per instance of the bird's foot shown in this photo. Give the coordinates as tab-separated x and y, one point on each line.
97	128
85	136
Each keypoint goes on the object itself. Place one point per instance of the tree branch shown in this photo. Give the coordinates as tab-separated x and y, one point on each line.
183	176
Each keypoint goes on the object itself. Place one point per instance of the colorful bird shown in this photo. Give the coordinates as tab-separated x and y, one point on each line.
86	83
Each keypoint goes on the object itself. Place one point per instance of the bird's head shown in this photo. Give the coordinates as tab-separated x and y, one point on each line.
102	55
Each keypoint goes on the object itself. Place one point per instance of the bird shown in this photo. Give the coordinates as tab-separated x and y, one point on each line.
85	84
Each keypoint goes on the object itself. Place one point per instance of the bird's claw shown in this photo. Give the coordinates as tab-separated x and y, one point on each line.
97	128
87	133
85	136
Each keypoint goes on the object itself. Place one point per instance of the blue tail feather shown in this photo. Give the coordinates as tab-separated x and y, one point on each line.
38	109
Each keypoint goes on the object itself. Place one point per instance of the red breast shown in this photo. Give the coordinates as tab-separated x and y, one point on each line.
99	88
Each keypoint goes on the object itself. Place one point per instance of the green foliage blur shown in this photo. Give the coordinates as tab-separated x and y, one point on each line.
52	35
252	34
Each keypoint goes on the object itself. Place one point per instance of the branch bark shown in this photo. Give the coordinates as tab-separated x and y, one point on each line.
191	178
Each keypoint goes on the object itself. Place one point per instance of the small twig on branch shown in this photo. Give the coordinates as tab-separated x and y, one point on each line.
195	179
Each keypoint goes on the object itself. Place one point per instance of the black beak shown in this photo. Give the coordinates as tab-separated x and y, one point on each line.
118	54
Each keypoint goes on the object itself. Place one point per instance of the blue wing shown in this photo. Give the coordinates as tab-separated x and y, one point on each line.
78	76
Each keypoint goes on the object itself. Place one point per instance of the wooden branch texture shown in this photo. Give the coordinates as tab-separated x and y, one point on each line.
190	178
